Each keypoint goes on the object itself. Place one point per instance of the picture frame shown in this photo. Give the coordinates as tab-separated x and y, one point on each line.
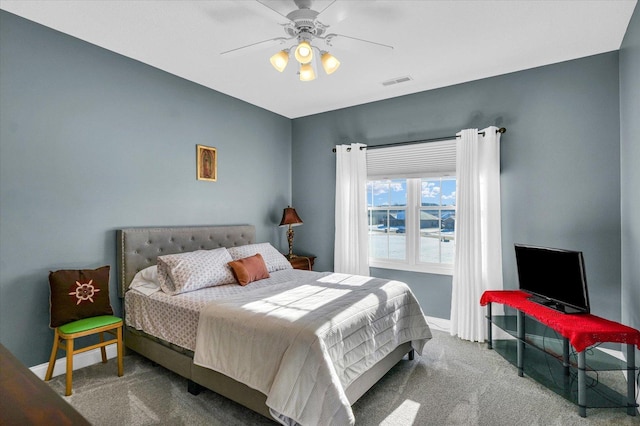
206	163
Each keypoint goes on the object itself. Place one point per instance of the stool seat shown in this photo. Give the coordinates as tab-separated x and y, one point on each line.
88	324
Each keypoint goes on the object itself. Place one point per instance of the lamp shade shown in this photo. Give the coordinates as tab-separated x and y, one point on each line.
304	52
329	63
280	60
307	73
290	217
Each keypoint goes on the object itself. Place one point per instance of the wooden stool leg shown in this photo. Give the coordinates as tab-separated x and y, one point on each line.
103	351
52	358
69	348
120	348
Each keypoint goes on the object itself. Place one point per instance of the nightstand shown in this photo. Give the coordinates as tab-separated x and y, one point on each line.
302	262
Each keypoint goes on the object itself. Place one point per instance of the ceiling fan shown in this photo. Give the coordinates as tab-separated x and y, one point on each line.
305	31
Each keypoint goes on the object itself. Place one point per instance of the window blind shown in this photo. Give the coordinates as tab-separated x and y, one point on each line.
413	160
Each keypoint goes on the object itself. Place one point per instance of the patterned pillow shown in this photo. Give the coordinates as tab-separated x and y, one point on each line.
183	272
78	294
274	260
249	269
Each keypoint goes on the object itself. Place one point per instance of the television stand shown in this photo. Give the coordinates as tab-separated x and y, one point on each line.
579	331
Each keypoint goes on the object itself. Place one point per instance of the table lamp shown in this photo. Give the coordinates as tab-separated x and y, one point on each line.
291	218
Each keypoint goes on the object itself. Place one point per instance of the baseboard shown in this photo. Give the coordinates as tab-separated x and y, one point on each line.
442	324
81	360
439	324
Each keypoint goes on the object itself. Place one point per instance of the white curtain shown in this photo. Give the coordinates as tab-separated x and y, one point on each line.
351	252
478	258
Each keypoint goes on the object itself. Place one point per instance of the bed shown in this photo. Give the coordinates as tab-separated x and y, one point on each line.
181	350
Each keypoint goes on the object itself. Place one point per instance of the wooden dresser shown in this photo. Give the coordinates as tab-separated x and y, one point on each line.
27	400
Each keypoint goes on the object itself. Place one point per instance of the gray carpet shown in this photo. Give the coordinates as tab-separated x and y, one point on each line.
454	383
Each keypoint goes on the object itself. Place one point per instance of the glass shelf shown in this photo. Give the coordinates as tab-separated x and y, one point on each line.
543	363
549	372
550	342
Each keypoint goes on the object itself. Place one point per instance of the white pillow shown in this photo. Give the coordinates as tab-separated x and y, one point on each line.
183	272
146	281
274	260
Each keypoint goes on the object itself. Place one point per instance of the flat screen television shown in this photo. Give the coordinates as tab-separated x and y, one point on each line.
554	277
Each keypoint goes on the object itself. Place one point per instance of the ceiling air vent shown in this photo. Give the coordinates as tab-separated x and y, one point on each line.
396	81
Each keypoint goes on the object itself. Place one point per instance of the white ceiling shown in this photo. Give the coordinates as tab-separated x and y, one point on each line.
436	43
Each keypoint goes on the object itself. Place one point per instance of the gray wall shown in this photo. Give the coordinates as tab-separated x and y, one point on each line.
91	142
630	172
560	166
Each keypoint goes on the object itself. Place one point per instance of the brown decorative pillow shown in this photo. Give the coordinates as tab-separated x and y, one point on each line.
78	294
249	269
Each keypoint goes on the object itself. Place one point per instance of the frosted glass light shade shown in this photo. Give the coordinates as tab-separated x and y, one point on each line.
329	63
304	52
280	60
307	73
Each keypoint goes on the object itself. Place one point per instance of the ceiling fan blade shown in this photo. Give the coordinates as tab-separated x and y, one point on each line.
331	36
280	39
320	11
334	13
269	5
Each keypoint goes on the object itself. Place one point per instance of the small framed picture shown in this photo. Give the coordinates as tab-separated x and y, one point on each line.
207	163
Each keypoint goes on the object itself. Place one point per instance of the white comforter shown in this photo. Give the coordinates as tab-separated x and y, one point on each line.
302	343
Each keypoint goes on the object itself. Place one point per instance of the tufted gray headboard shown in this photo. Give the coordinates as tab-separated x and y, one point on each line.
138	248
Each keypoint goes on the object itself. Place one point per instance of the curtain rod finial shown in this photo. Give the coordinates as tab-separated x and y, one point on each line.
501	130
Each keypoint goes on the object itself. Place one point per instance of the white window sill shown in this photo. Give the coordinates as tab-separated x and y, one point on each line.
423	268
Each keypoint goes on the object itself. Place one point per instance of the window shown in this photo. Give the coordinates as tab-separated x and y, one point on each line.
412	223
411	191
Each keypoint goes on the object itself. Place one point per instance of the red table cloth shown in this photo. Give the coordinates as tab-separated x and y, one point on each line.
582	330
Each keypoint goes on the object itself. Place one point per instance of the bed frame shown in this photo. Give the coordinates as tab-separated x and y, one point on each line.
138	248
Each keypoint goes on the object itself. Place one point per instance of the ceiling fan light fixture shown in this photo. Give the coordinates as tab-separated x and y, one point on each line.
307	73
304	52
280	60
329	62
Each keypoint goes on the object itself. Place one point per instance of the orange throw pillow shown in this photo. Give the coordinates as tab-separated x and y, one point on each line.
249	269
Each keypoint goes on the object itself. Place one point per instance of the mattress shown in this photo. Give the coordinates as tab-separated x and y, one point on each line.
174	319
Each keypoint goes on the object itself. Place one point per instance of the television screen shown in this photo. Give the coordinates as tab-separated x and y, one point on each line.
555	277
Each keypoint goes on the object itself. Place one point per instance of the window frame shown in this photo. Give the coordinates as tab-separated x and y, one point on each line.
412	209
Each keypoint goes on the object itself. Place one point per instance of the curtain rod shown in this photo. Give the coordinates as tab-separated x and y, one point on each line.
443	138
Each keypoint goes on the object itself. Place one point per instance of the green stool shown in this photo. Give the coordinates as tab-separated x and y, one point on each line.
64	335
